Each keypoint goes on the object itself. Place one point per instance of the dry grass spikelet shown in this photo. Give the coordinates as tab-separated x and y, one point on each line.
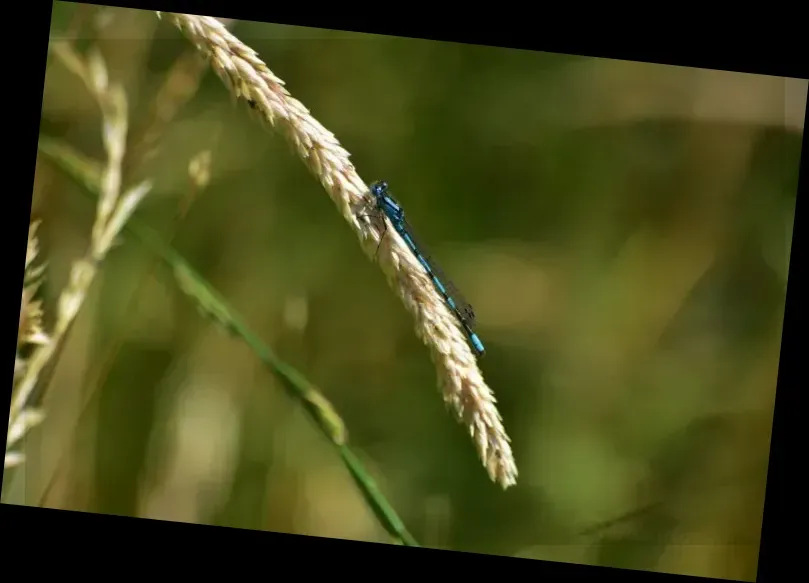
464	389
30	329
30	333
113	210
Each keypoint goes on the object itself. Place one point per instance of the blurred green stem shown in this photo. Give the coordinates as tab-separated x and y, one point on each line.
87	173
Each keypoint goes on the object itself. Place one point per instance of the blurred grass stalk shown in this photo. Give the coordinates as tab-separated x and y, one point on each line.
179	86
104	181
211	304
112	216
112	212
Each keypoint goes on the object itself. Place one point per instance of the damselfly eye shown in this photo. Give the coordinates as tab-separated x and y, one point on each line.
379	188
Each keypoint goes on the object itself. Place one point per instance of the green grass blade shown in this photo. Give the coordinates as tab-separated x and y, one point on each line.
87	173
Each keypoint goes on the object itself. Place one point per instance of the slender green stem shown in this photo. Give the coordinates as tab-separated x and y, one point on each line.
87	172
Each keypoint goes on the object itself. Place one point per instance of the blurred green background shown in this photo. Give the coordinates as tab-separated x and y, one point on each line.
622	229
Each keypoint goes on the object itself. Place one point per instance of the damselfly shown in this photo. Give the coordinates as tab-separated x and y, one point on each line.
384	202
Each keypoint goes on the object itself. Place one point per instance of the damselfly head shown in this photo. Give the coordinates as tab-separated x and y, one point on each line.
379	188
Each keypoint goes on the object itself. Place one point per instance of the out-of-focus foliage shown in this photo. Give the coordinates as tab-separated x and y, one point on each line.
622	229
